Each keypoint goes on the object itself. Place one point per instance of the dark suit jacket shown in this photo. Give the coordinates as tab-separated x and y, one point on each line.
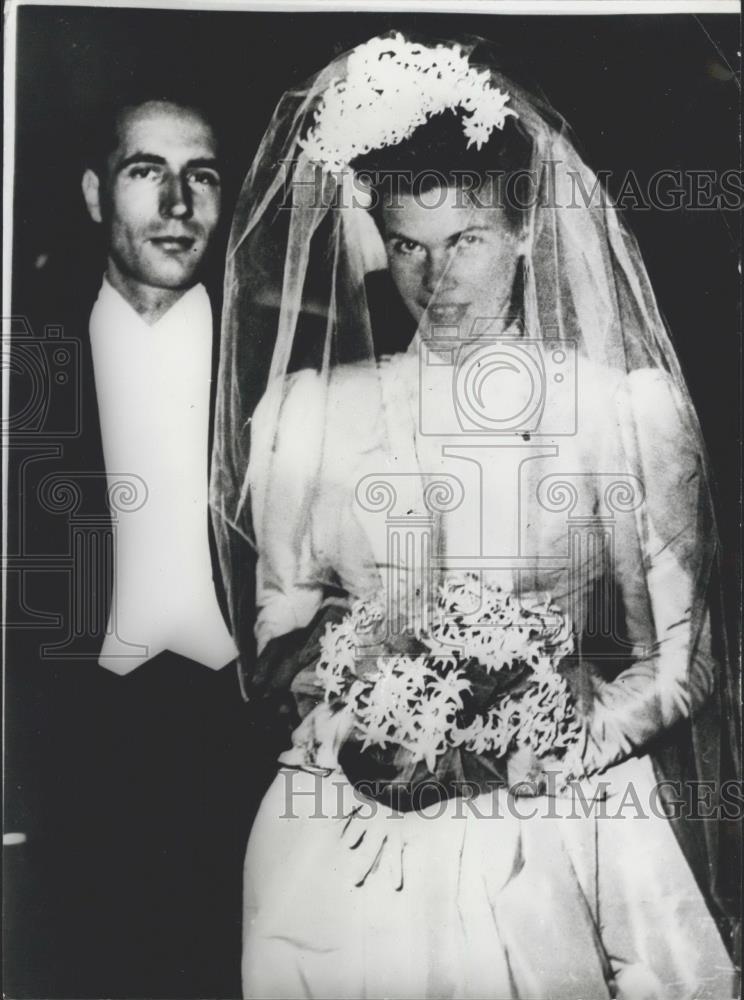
135	793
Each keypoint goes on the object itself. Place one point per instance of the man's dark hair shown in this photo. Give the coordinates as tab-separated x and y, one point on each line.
102	135
101	138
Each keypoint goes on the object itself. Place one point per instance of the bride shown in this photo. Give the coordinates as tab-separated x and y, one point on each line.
443	361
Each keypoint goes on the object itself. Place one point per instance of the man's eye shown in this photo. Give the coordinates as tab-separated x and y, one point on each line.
406	247
204	178
144	171
469	240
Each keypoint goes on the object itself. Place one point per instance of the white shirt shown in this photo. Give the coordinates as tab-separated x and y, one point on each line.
153	391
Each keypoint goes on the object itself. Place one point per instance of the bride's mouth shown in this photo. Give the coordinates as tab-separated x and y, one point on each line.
447	313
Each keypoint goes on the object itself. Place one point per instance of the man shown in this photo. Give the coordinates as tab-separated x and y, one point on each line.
157	197
139	818
151	339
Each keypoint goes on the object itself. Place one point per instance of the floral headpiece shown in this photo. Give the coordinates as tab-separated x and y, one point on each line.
391	87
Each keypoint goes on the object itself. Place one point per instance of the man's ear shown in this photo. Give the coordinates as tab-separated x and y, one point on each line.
92	194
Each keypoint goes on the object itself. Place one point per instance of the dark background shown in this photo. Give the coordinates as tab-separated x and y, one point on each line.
641	93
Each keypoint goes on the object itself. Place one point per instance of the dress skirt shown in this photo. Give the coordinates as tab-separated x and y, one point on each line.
497	897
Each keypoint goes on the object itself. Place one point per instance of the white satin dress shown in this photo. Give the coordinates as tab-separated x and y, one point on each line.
497	897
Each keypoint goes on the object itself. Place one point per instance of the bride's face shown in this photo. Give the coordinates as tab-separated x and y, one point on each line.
452	261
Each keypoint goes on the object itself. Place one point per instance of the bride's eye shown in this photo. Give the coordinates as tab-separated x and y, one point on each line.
469	240
406	247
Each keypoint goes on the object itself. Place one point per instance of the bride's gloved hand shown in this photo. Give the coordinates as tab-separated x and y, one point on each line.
269	689
548	774
529	774
318	738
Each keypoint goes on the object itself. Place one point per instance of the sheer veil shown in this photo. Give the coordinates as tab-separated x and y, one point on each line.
308	296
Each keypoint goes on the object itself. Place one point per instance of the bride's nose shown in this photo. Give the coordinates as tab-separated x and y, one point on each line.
439	273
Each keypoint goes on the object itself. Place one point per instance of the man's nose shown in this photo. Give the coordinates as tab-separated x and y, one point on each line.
439	272
175	198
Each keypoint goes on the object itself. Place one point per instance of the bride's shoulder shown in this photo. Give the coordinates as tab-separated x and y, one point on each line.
596	381
660	406
344	401
651	396
645	388
354	388
285	399
649	399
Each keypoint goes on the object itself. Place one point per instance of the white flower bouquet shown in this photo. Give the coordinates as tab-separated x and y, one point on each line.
482	681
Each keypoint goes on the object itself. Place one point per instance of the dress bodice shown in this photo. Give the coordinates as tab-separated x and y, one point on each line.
394	502
350	490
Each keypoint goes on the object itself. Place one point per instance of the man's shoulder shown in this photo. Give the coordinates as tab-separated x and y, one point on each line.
72	290
50	306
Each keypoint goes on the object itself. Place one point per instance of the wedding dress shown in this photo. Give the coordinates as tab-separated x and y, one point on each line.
343	897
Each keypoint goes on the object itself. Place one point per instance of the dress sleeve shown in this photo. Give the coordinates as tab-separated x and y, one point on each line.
674	543
283	477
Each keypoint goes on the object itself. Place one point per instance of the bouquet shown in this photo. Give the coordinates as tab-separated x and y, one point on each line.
454	700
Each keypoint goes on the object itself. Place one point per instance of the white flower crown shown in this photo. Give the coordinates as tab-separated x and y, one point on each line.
391	87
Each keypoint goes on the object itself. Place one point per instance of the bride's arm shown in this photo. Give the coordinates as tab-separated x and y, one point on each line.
675	540
306	434
283	474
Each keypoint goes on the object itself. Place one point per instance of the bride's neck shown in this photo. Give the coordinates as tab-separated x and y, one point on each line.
510	327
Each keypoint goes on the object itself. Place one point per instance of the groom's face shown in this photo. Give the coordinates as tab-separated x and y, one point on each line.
160	199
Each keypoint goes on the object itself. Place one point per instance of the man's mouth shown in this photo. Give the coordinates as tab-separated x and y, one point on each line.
447	313
173	244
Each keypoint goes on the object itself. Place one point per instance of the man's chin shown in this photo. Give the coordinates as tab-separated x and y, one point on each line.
171	271
173	279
